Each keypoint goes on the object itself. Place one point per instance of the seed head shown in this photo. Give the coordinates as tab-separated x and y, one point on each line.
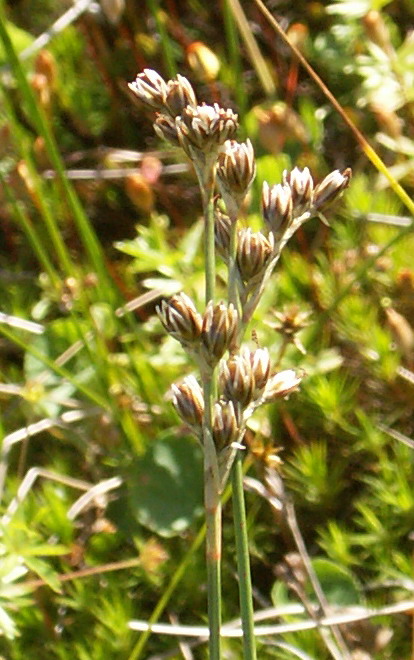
331	187
225	426
235	173
150	88
205	127
237	379
219	330
253	252
260	364
280	385
179	94
166	129
277	207
301	185
188	401
181	319
222	228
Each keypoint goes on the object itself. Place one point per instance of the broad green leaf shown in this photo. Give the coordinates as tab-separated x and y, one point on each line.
165	486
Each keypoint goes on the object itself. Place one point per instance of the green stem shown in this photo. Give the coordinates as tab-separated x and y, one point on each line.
239	509
232	284
209	248
213	508
243	561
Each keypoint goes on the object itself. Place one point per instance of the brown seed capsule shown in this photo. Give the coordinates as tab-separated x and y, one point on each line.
181	319
225	427
277	208
253	252
219	330
331	187
280	385
188	401
237	379
113	10
179	94
235	172
139	192
205	127
222	228
301	185
260	363
166	129
150	88
203	61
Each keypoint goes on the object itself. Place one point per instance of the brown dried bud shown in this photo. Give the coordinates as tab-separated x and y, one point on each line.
203	61
181	319
205	127
225	426
280	385
113	10
188	401
150	88
402	330
331	187
301	185
253	252
139	192
260	363
377	30
237	379
222	228
45	64
289	322
219	331
179	94
166	129
41	88
235	173
277	208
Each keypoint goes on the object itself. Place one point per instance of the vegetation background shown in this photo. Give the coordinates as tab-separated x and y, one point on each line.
100	485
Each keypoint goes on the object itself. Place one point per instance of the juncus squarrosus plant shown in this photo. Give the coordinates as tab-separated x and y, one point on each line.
234	379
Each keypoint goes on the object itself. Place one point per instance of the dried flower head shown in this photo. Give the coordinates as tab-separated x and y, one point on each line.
150	88
225	425
179	94
235	173
166	129
301	185
181	319
331	187
280	385
289	322
277	207
222	229
260	364
205	127
237	379
188	401
253	252
219	330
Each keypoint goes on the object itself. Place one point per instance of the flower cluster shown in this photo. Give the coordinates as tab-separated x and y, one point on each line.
199	129
245	377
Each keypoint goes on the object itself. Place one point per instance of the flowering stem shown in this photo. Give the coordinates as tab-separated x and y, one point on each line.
239	509
212	503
